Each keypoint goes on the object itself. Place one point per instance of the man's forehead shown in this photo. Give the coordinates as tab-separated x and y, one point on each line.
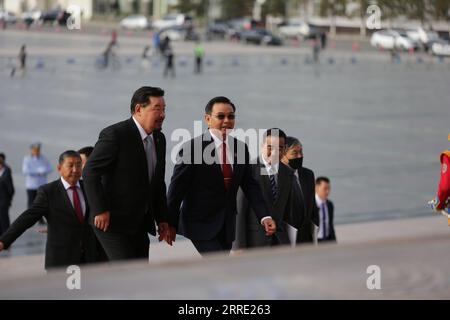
157	100
222	107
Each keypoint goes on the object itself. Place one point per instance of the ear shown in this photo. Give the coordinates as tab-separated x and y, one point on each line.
207	117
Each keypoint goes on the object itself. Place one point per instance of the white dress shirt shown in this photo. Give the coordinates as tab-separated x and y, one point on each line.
70	194
2	170
218	147
322	214
144	136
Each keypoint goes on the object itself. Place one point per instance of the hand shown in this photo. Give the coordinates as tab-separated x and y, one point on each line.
270	226
172	233
101	221
164	232
2	246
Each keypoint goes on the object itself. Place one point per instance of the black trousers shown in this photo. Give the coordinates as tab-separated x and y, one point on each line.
217	244
4	218
121	246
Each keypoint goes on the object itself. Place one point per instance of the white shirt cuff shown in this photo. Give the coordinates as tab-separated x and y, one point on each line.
265	218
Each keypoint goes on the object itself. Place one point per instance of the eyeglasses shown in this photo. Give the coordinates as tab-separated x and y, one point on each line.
222	116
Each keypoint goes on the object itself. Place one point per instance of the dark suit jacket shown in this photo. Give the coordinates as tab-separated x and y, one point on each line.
6	188
332	233
308	184
286	209
66	236
116	179
198	188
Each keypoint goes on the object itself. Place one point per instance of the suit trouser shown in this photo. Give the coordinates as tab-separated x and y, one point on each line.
122	246
4	218
218	243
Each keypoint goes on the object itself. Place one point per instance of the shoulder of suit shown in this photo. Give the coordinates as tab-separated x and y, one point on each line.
51	186
287	169
119	126
307	171
330	203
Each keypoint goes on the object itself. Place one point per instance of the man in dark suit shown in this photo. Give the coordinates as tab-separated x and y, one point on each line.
70	239
124	179
6	193
305	188
277	183
205	181
325	209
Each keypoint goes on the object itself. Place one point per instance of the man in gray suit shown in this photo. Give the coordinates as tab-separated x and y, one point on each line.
278	186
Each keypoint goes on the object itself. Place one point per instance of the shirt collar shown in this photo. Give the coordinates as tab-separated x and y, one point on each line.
217	141
67	185
142	132
319	201
271	168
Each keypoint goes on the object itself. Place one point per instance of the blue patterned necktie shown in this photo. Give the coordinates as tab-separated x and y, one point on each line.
273	186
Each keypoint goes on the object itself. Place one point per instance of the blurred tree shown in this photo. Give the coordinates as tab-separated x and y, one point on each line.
196	7
237	8
333	7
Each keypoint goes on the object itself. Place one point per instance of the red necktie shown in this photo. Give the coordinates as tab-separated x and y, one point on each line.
226	166
77	204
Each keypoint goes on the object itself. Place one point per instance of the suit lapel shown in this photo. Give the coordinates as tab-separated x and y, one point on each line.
139	146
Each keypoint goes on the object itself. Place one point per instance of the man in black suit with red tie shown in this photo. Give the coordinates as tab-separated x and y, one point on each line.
205	181
124	179
70	239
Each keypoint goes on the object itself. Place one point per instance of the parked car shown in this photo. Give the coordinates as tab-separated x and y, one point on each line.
391	39
260	36
54	17
218	30
173	20
32	16
179	33
425	37
7	17
441	48
135	22
294	29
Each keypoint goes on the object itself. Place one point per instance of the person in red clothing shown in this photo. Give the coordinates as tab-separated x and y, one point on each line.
442	201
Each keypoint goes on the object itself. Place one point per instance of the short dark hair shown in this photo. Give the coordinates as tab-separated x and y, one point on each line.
274	132
2	155
142	95
220	99
292	142
319	180
68	154
86	151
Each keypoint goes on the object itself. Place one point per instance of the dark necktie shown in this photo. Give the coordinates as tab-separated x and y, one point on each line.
273	186
324	224
226	166
150	155
77	204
